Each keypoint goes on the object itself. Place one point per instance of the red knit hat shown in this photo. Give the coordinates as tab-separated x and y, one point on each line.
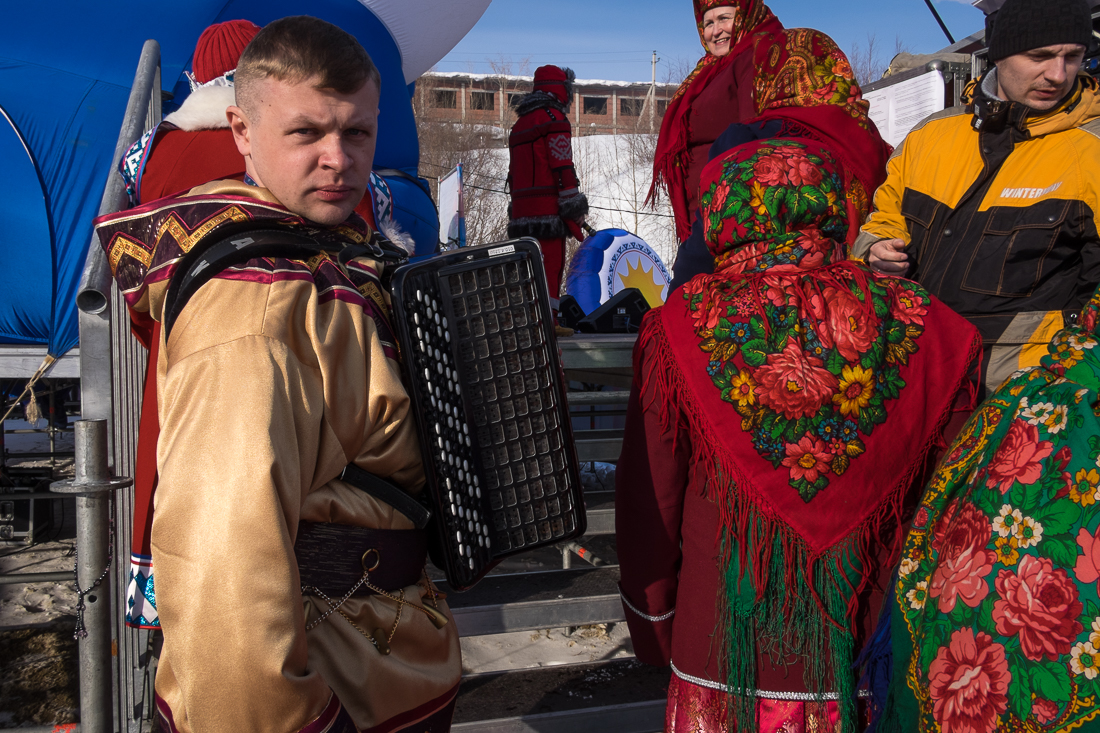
556	81
220	47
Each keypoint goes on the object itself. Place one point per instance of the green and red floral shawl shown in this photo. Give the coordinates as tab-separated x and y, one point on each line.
998	583
813	390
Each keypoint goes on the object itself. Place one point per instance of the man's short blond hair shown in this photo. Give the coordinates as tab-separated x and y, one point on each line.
300	48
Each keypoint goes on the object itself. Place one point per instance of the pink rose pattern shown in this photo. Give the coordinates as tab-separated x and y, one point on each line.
1040	605
824	360
1018	457
999	585
968	683
965	560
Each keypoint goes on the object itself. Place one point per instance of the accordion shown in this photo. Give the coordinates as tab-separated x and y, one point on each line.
482	369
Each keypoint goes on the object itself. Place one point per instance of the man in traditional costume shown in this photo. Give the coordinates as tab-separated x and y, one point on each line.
995	207
782	415
547	202
290	598
192	146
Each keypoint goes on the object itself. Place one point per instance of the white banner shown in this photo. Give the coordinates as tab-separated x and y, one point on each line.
896	109
452	212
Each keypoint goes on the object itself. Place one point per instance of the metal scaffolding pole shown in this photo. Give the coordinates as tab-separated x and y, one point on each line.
94	489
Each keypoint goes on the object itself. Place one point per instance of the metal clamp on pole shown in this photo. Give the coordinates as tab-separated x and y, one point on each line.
93	487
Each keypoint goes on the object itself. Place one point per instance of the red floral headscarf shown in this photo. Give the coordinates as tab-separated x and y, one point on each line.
805	80
669	162
797	336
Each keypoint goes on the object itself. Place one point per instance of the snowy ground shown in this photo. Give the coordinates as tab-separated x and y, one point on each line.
615	172
38	681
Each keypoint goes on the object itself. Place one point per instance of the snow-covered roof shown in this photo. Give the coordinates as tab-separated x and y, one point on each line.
514	77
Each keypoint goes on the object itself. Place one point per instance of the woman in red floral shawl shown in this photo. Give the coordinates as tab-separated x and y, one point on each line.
803	88
782	412
717	92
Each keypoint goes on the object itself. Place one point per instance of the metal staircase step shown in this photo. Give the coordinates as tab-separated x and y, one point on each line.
600	510
539	600
620	696
598	445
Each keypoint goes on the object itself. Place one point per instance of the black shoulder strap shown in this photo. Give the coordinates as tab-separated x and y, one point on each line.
383	490
230	245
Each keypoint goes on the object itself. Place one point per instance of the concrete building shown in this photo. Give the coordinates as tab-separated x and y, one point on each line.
599	106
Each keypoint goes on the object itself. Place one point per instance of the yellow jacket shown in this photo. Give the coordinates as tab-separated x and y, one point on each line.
1000	223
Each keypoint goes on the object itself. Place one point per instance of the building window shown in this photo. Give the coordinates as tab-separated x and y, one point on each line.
662	105
595	105
483	100
631	107
445	98
515	98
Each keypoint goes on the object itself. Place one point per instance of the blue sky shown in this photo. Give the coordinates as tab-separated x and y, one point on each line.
614	39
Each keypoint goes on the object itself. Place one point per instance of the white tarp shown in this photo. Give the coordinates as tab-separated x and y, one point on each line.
426	30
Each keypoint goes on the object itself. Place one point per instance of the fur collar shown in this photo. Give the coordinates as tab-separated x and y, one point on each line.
204	109
538	100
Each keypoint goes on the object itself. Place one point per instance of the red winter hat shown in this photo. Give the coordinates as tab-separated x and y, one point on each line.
220	47
556	81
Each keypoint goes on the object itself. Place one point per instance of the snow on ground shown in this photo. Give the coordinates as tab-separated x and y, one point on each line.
545	648
615	173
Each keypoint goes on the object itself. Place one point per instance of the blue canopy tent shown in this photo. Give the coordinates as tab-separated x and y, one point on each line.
66	69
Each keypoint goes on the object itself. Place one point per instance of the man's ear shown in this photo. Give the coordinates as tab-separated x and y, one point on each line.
241	127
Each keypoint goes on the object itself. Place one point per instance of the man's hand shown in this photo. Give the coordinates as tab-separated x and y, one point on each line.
887	257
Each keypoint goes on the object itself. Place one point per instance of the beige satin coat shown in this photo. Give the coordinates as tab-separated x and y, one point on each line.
266	392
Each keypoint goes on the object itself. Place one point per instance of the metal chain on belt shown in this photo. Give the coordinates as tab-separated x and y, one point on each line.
80	632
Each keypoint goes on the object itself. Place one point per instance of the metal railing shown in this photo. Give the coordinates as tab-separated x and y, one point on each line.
112	371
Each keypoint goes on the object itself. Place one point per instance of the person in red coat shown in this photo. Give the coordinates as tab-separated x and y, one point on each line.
783	413
547	203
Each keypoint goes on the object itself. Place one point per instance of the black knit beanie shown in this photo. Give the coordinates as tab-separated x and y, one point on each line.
1021	25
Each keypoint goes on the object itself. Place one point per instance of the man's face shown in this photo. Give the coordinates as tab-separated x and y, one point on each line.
312	148
718	29
1041	77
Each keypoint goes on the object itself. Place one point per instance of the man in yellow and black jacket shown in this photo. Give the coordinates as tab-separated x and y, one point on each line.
994	207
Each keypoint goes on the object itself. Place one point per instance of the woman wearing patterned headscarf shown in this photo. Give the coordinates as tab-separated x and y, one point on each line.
717	92
803	88
995	612
783	409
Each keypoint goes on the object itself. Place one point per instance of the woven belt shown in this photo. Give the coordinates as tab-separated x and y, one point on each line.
332	557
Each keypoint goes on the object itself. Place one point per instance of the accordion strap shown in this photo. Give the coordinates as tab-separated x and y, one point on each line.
383	490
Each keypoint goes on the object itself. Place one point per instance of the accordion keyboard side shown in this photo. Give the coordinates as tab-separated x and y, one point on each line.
483	372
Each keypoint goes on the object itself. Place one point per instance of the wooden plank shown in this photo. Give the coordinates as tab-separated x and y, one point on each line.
617	377
599	449
638	717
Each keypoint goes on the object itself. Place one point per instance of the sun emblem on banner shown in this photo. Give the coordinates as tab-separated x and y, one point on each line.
638	270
